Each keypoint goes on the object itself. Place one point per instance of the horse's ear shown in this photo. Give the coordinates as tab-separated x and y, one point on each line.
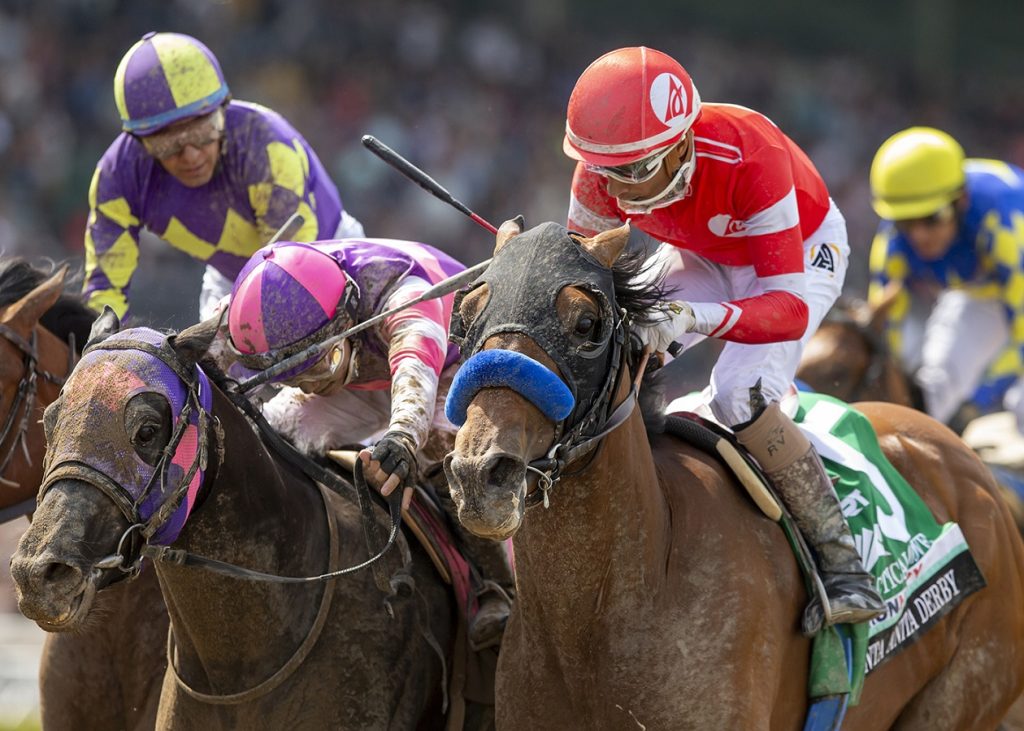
511	227
104	326
25	313
878	313
192	343
607	246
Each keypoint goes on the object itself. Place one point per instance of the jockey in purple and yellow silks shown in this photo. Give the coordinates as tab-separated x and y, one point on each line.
949	254
386	384
213	177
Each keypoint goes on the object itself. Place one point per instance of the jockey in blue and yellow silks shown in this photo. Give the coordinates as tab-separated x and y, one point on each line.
950	252
213	177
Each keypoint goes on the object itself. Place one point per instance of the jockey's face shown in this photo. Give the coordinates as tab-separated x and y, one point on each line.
327	376
658	182
189	150
931	236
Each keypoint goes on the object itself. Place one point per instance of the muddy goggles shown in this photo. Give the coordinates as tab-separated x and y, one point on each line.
633	173
197	133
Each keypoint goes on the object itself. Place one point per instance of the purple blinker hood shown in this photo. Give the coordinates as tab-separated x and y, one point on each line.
91	430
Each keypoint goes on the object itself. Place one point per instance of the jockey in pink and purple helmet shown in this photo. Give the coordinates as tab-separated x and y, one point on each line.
213	177
392	378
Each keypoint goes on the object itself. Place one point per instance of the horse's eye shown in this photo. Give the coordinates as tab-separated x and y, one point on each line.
585	325
146	433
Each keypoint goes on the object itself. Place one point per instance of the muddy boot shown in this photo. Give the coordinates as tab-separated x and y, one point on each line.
800	478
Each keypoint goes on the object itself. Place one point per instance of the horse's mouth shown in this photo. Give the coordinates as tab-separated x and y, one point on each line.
77	609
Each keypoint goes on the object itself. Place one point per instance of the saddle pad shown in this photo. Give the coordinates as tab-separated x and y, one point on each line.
922	569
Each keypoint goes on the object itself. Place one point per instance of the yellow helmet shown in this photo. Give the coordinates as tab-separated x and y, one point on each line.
915	173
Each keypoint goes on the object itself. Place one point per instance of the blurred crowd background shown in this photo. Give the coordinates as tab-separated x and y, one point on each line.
475	93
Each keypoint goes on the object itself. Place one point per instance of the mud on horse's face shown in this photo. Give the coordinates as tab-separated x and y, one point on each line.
542	340
127	450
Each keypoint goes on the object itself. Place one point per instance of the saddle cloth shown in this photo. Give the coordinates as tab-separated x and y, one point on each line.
921	569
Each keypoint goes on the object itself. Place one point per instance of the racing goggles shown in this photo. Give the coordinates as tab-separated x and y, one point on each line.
197	132
636	172
942	215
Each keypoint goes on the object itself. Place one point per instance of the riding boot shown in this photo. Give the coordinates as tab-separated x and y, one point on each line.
494	583
799	476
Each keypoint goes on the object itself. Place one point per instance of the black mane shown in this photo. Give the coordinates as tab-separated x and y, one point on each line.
635	293
69	313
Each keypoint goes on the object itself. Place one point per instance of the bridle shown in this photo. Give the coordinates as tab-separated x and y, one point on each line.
24	399
521	303
141	529
135	543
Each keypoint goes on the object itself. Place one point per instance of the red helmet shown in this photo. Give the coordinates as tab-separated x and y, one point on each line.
627	104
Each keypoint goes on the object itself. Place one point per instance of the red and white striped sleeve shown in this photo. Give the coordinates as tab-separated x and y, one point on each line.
767	214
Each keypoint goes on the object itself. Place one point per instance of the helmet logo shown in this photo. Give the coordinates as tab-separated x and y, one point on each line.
669	99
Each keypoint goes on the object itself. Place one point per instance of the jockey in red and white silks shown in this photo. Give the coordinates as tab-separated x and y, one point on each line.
755	253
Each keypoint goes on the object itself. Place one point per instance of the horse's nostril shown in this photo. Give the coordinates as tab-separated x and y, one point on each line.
502	470
53	572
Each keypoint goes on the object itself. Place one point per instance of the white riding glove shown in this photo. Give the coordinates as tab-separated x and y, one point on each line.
671	321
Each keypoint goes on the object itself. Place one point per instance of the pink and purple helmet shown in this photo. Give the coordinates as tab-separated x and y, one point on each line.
288	296
166	78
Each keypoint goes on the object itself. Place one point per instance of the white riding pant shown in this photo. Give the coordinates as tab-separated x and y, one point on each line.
316	424
693	278
216	286
949	350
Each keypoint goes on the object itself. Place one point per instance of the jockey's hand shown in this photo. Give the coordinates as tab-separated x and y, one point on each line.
390	463
671	320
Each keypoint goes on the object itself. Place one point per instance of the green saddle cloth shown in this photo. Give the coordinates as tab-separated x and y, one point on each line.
922	569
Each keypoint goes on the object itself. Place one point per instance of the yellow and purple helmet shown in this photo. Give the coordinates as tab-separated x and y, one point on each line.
167	78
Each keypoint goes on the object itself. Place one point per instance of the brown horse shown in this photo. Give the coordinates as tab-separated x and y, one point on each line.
651	593
244	653
38	321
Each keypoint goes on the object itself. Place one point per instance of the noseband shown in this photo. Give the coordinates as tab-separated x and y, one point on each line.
525	278
24	399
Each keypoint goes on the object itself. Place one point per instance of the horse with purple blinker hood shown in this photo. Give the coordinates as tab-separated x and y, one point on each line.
148	455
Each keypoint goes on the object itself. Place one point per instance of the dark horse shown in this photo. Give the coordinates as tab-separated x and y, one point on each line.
39	322
651	593
139	431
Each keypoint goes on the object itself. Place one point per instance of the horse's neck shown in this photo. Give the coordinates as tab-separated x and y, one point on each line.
232	632
603	541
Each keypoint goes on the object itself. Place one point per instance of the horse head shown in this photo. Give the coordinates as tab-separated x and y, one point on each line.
544	336
26	353
129	439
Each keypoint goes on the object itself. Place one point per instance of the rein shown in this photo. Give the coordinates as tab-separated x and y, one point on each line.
576	443
300	654
24	400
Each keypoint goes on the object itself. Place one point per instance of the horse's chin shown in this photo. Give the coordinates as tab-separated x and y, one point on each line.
493	527
65	614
